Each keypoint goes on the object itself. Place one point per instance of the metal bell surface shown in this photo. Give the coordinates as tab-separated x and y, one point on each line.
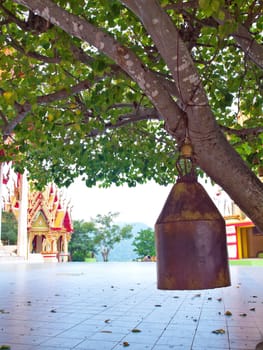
191	241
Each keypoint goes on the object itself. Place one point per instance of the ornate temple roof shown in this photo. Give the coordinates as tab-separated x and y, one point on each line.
54	206
51	203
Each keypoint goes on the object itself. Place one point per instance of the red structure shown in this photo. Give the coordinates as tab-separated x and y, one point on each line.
44	218
244	240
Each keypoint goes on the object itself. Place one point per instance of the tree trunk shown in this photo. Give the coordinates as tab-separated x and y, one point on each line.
105	254
217	158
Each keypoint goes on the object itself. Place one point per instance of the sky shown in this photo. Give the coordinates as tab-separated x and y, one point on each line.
142	203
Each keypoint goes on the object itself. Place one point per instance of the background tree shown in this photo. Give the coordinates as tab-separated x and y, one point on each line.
9	228
81	245
108	234
144	243
111	89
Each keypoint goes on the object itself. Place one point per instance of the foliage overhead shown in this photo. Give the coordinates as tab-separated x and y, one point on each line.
69	108
144	243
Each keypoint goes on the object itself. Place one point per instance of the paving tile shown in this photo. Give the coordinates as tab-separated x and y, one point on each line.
134	347
62	342
184	342
125	325
236	344
37	331
218	342
19	346
20	339
97	307
43	347
95	345
208	347
142	338
172	347
244	333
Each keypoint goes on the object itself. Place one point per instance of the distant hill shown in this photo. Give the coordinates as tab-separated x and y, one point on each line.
123	251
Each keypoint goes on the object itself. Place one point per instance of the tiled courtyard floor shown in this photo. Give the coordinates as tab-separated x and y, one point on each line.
104	306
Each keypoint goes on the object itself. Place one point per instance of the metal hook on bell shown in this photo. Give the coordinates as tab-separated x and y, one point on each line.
184	164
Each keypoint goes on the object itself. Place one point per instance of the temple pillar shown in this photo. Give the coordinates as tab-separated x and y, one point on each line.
65	244
1	200
22	245
54	244
30	243
64	249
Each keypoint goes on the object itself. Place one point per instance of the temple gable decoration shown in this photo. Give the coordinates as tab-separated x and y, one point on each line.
48	224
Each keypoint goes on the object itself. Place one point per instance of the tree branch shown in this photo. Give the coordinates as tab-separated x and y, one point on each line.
123	120
64	93
243	133
31	54
162	30
11	16
23	110
138	115
3	117
245	40
255	11
241	35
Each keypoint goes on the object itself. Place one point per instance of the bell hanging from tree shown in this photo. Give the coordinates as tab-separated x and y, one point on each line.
190	235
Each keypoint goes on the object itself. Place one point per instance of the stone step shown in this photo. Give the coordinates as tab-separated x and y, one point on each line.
11	259
8	250
35	258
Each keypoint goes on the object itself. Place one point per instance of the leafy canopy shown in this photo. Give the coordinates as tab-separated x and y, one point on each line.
144	243
81	245
69	110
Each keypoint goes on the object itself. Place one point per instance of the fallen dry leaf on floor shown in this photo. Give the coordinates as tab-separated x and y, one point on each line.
228	313
252	309
197	295
125	343
107	321
136	330
106	331
4	312
219	331
243	314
